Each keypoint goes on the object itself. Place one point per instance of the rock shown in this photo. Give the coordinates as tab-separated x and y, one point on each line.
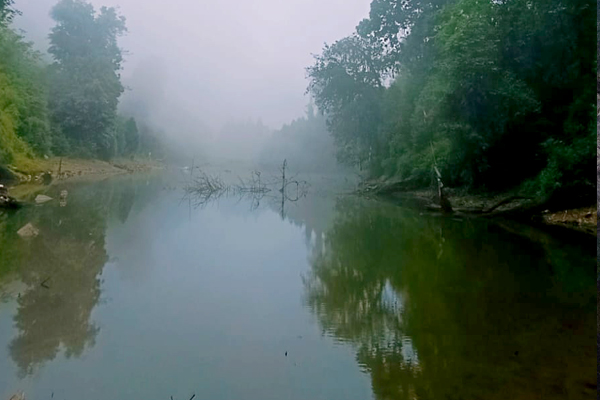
18	396
63	198
42	198
28	231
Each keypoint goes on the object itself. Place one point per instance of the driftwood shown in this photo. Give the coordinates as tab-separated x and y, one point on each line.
491	211
389	186
503	202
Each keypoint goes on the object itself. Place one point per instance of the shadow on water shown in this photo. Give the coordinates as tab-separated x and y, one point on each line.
444	309
59	269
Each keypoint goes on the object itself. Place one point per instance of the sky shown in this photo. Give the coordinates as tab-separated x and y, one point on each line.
219	60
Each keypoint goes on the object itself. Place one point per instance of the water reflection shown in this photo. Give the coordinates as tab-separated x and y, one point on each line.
61	269
443	309
429	308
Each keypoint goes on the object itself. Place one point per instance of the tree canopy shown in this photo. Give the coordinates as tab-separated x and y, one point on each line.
70	106
498	92
86	83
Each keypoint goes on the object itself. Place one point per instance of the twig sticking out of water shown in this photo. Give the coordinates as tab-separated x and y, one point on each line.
205	188
43	284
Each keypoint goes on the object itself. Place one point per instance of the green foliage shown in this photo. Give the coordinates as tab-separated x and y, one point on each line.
500	89
10	143
126	135
85	83
346	83
26	75
7	12
23	110
69	107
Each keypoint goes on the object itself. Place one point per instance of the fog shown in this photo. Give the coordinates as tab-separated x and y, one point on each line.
194	67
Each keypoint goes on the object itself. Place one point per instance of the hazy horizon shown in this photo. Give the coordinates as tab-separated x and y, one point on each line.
204	64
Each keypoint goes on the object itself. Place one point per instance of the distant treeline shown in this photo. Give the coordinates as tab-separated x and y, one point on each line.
67	107
499	93
304	143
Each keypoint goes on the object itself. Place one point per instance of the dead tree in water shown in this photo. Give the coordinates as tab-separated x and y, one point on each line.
205	188
283	185
444	202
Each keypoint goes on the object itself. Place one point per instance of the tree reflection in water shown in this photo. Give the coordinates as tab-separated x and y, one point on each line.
444	309
68	256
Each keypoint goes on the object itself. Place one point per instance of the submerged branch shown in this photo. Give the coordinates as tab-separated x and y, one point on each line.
205	188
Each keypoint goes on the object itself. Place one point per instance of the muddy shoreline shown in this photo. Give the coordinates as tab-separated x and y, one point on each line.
522	210
45	173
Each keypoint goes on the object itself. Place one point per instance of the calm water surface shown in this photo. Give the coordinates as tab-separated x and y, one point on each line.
149	298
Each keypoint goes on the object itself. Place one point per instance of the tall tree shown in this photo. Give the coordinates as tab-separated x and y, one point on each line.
346	82
498	92
86	82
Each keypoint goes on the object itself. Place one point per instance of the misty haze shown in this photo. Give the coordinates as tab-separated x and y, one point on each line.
300	199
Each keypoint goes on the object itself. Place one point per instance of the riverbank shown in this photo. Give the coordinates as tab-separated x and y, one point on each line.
30	176
508	205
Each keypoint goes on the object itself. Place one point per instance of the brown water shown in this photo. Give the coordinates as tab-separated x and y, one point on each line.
149	298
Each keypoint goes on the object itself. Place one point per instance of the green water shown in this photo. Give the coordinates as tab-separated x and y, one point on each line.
149	298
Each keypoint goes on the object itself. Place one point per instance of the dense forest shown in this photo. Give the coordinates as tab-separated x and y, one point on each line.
498	94
67	107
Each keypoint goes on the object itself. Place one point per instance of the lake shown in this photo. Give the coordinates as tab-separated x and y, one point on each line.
130	291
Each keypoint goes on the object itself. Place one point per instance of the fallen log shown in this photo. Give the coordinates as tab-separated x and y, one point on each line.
389	186
505	201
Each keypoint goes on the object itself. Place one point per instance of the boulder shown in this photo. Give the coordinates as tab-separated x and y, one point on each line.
28	231
63	198
18	396
42	198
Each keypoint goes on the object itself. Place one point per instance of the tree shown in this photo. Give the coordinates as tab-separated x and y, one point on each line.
471	98
86	84
499	91
346	82
7	12
403	29
127	136
24	123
